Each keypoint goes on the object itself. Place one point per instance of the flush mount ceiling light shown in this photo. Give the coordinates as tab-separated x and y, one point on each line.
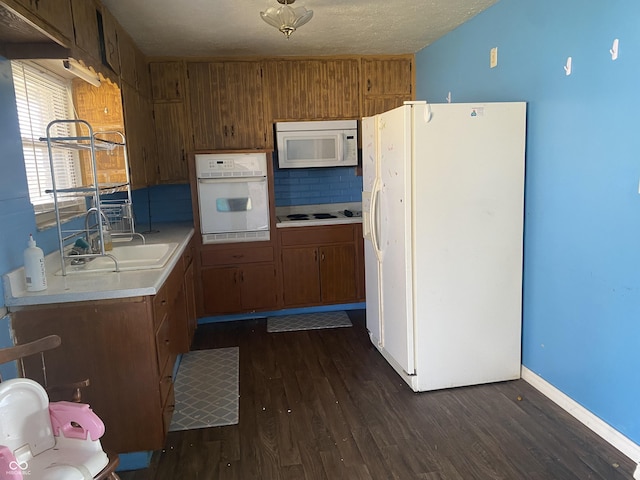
285	18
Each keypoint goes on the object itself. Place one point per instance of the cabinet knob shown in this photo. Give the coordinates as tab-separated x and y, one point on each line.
368	84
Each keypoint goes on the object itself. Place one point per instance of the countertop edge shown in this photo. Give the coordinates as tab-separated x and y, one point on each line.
78	287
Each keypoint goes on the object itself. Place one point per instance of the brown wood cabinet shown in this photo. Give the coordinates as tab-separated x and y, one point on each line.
167	81
141	137
86	31
170	121
238	278
386	83
126	348
319	265
172	142
56	13
313	89
128	58
110	54
226	105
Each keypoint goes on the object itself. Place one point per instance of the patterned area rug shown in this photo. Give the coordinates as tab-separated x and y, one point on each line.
206	389
308	321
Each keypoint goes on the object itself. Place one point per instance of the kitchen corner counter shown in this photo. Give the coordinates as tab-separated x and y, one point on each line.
87	286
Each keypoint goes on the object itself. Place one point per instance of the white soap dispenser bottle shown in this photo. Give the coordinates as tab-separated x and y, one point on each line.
34	271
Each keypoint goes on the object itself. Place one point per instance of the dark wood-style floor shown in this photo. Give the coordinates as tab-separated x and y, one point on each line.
325	405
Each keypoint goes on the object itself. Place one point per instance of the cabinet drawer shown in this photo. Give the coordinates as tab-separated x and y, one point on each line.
161	306
187	256
166	382
316	235
167	410
163	343
234	256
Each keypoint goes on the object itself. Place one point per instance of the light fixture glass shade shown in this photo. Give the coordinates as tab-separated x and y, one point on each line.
286	19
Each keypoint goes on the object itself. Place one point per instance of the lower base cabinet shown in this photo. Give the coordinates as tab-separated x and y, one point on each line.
239	289
126	348
238	279
319	265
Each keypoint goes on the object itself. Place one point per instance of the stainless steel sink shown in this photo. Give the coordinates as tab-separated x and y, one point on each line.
129	257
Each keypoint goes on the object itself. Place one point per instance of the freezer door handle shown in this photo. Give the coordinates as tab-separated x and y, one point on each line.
373	219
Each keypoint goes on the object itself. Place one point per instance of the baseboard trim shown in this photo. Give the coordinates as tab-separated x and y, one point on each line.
597	425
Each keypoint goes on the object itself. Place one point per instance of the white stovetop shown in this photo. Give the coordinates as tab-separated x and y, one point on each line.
335	209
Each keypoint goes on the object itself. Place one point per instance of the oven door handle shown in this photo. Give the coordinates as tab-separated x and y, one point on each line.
232	180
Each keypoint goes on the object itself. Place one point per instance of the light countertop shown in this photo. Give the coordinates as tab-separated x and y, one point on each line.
86	286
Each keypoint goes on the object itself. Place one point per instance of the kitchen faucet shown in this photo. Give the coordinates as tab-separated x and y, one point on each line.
91	241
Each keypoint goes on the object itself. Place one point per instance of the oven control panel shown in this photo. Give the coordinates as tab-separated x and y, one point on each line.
216	165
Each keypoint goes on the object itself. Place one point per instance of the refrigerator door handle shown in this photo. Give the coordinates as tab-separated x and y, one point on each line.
373	219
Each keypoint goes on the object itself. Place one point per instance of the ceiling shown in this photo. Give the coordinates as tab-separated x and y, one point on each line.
339	27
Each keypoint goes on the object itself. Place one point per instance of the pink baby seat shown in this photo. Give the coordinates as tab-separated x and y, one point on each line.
40	440
47	441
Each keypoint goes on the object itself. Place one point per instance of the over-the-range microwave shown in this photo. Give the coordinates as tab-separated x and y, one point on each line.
330	143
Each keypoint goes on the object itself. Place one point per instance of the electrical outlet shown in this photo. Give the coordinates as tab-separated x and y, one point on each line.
493	57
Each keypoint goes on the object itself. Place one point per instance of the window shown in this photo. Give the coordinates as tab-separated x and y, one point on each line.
43	96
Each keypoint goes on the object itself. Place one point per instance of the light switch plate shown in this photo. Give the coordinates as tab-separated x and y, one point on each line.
493	57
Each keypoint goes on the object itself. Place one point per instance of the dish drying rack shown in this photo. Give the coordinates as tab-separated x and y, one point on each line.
117	209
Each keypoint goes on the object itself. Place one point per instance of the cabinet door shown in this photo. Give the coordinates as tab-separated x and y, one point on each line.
301	278
142	75
387	76
313	89
167	82
133	123
85	26
226	105
244	116
148	139
258	287
171	137
386	83
221	290
206	81
56	13
338	273
127	52
111	56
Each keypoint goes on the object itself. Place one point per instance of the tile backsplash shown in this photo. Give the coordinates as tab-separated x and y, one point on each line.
304	186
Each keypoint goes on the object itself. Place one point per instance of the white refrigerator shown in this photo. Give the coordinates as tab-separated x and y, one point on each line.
443	204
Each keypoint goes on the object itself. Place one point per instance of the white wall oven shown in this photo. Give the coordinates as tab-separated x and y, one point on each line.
233	197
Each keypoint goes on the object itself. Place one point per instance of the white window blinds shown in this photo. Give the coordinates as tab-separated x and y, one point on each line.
41	97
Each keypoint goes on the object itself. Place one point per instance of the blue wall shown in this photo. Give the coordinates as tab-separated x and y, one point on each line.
582	217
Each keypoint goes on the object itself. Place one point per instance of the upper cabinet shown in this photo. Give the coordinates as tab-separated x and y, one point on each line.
313	89
386	82
56	13
167	81
170	120
226	105
134	68
86	31
109	41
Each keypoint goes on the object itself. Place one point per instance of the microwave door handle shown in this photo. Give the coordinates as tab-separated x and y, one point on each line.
343	150
232	180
